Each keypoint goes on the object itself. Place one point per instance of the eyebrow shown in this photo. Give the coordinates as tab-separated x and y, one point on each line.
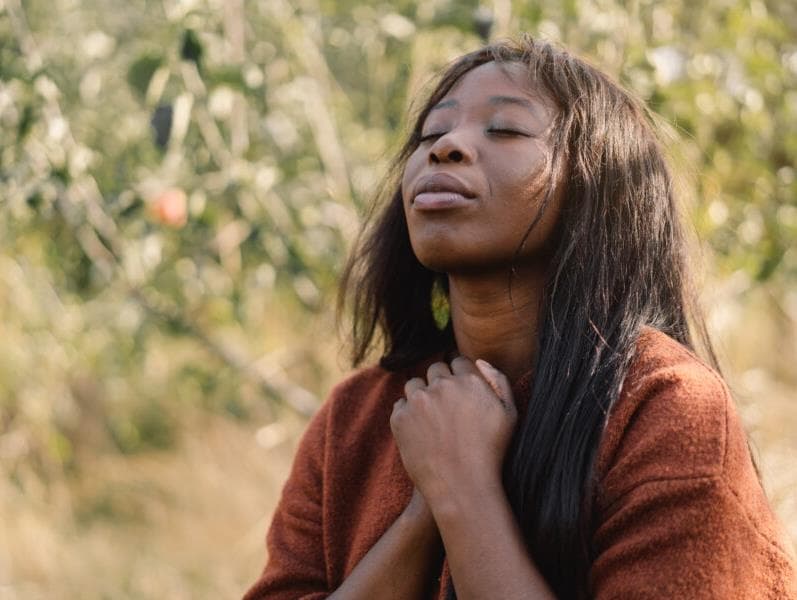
493	100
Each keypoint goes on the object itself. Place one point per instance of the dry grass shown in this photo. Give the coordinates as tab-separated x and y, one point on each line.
188	524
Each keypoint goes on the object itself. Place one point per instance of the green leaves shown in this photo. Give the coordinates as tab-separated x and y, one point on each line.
141	71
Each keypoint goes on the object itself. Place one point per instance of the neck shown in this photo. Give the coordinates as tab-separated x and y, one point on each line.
490	325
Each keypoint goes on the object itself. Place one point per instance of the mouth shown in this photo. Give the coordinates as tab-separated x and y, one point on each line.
441	191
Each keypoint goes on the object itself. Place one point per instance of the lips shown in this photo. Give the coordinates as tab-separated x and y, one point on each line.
443	182
440	191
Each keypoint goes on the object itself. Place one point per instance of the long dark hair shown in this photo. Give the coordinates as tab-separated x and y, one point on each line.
620	264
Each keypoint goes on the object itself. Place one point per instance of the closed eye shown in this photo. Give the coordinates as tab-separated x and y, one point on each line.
429	137
504	132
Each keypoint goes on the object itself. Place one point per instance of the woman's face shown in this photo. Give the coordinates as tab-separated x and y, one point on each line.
476	181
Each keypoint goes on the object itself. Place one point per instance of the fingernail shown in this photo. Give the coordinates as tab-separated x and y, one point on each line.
486	364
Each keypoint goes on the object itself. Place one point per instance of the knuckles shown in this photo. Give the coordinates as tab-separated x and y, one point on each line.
418	395
438	368
438	383
460	361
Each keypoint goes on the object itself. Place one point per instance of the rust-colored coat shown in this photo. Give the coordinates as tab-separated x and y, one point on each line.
680	511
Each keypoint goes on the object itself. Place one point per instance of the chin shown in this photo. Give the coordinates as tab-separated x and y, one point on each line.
437	250
433	262
444	258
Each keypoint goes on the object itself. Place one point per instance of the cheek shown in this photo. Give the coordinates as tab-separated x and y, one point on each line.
405	188
518	181
542	237
414	162
518	196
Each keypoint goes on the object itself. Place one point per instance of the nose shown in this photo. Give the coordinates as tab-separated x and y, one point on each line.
449	148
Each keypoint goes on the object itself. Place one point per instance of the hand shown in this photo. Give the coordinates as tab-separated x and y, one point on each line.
453	429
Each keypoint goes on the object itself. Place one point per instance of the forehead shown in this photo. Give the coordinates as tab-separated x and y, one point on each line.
499	84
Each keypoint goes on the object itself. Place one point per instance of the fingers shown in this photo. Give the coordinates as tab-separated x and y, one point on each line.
437	370
413	385
463	366
498	381
398	407
495	378
397	414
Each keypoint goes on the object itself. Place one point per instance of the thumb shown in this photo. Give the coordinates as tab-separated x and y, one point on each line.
497	380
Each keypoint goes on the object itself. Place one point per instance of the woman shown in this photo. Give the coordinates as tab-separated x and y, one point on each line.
556	437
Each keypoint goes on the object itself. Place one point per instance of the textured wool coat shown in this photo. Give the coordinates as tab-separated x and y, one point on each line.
680	512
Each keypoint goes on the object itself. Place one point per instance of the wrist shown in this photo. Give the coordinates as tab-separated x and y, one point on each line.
466	500
417	516
449	483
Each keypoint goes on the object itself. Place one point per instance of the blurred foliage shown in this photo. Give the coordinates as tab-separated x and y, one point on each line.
180	181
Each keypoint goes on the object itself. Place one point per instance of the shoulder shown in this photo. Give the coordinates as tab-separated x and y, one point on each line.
361	385
676	489
674	419
366	388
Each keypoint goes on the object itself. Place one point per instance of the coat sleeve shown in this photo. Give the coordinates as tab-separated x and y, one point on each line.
296	565
683	514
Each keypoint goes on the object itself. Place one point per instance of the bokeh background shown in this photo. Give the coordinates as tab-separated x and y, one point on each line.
179	183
